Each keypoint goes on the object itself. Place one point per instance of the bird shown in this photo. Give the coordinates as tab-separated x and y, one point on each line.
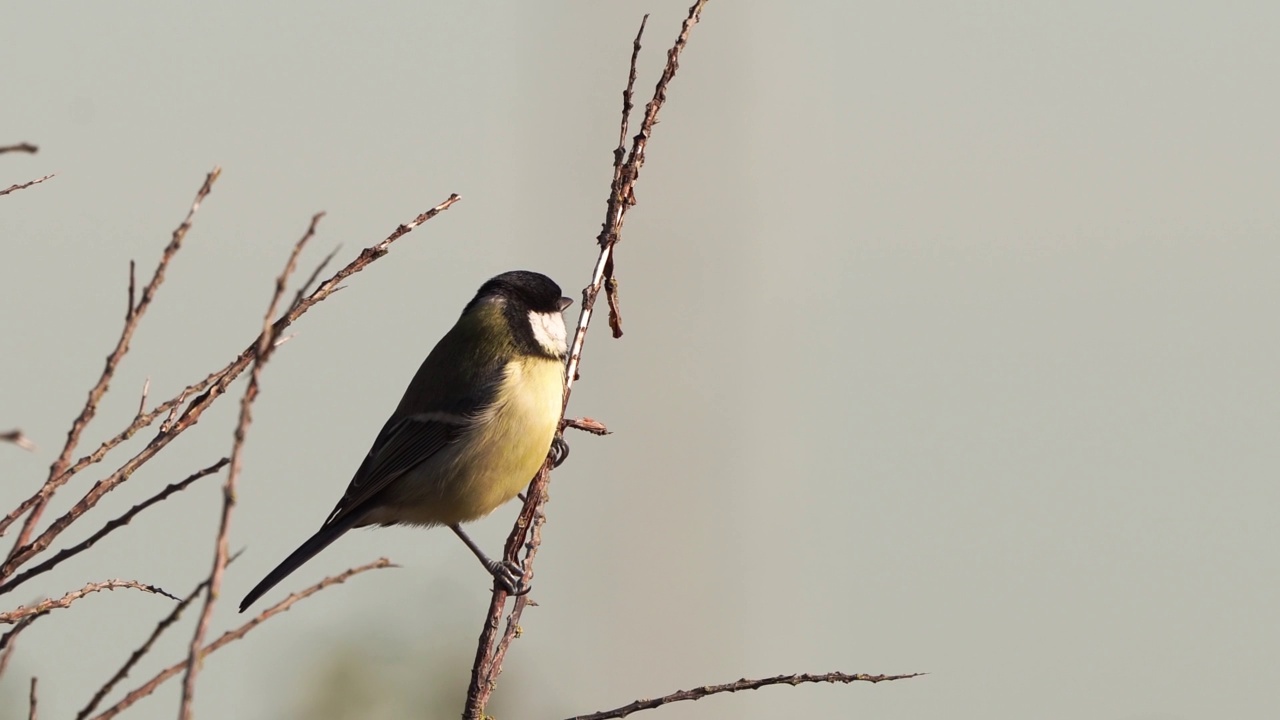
474	426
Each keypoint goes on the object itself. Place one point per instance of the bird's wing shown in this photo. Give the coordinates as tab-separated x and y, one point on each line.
462	388
402	444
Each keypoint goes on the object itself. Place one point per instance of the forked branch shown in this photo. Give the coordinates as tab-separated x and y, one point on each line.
527	532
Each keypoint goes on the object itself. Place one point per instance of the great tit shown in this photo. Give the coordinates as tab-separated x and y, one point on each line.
472	429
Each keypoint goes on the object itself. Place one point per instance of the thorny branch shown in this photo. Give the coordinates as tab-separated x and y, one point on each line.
143	649
232	635
45	606
56	475
489	657
110	527
266	343
25	185
700	692
179	414
210	389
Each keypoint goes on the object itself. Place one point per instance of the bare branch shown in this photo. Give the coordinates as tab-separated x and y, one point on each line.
488	660
20	147
744	684
586	424
9	641
110	527
25	185
19	438
56	476
45	606
133	295
266	344
231	635
210	389
31	713
143	649
142	402
140	422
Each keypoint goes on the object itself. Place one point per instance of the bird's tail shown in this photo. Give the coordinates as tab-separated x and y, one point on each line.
305	552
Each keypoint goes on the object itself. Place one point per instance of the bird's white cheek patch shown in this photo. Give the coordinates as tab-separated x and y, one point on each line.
548	330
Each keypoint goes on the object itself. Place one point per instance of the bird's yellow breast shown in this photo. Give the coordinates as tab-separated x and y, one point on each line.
495	460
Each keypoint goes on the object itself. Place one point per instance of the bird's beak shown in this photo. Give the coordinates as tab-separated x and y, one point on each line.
565	303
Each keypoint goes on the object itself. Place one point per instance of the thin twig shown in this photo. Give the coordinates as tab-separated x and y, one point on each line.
19	438
31	713
142	402
25	147
211	389
45	606
586	424
110	527
143	649
9	641
266	344
140	422
744	684
25	185
133	294
56	477
231	635
488	661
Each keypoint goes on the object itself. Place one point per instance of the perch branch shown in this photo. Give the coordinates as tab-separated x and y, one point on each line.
489	657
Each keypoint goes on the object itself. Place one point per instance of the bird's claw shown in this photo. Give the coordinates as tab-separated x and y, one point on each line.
509	576
559	451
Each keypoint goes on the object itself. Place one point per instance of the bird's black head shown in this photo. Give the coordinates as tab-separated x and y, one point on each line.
532	308
525	290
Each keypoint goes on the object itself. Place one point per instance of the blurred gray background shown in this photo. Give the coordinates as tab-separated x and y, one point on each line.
950	346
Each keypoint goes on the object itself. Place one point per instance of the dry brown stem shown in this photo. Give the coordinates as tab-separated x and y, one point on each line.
44	606
143	649
209	389
56	475
177	414
489	657
9	641
25	147
700	692
25	185
266	344
19	438
31	701
586	424
232	635
110	527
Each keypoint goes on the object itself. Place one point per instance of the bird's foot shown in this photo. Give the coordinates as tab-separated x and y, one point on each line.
559	451
509	576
